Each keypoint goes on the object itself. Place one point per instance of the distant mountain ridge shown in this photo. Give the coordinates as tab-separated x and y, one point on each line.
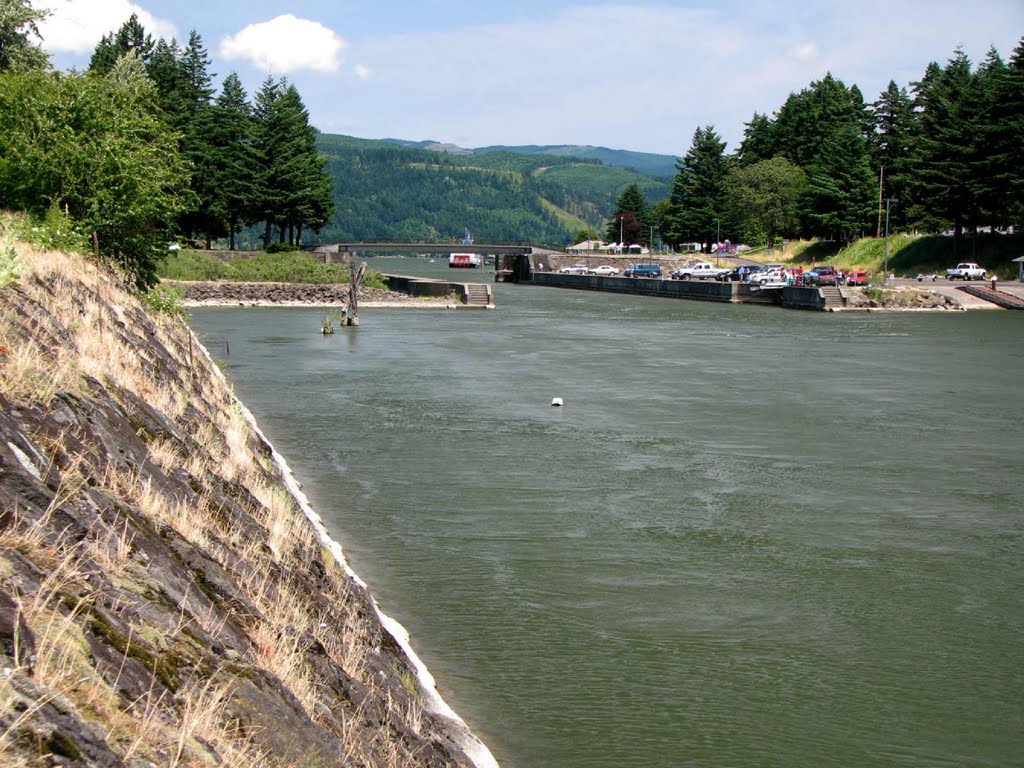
405	191
651	164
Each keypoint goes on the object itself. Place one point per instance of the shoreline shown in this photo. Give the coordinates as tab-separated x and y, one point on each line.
457	729
227	303
221	293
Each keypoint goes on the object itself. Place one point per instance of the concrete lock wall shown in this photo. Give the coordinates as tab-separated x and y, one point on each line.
682	289
701	290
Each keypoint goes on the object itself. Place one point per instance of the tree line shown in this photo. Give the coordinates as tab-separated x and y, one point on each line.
137	151
945	154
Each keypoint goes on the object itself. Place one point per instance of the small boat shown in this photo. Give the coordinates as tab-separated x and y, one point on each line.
465	261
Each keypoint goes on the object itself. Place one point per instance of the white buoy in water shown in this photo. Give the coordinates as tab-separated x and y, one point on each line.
556	401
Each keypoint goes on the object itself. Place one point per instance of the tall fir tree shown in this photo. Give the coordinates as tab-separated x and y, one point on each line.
1008	146
895	125
947	147
233	163
193	121
994	173
758	140
293	190
631	201
697	200
131	36
840	185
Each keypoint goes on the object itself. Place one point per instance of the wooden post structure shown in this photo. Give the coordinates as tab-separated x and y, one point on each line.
352	311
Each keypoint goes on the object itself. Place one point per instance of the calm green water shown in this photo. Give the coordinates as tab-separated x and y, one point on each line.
752	537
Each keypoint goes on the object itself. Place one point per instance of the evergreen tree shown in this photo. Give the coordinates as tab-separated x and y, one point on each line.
892	146
758	140
807	118
193	119
947	148
18	25
1007	146
165	70
632	201
130	37
197	80
998	140
292	188
233	161
837	203
697	200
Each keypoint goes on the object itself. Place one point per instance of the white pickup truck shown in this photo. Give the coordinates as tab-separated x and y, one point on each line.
966	270
698	271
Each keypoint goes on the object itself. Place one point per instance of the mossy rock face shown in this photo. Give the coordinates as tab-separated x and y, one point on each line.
60	743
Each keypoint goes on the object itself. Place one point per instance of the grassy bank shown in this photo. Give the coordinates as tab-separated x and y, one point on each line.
908	254
166	600
261	267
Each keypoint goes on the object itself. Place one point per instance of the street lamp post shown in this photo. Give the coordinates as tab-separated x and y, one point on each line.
718	242
621	217
885	268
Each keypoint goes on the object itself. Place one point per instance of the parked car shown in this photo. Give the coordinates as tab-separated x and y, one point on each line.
643	270
857	277
767	277
698	271
823	274
604	270
574	269
966	270
734	276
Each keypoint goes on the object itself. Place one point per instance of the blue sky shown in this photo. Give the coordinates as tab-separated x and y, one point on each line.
627	75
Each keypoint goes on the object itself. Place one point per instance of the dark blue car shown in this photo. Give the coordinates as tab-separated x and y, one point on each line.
643	270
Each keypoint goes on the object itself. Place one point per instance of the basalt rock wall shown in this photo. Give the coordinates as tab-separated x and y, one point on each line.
167	596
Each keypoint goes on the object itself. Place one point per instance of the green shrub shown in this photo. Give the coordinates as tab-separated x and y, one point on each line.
8	265
873	293
54	232
190	265
164	299
280	248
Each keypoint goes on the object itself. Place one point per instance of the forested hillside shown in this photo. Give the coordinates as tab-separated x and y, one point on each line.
649	163
385	191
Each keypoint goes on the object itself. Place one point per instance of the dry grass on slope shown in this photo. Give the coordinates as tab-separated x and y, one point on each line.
164	601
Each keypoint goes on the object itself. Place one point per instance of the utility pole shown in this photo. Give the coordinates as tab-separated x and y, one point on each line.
885	268
881	178
718	242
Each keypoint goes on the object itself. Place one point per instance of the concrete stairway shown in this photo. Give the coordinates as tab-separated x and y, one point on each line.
478	295
833	297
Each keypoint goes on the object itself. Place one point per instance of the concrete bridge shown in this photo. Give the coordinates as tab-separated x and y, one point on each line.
511	261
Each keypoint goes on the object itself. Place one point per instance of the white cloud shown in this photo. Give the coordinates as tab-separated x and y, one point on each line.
286	44
804	52
640	76
76	26
362	72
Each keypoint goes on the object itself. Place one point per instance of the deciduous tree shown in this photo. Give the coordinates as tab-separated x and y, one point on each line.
764	198
18	31
96	147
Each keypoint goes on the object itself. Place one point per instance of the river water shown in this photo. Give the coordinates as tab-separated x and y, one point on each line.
750	537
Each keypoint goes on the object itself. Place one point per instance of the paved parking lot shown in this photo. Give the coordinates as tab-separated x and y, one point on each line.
950	288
